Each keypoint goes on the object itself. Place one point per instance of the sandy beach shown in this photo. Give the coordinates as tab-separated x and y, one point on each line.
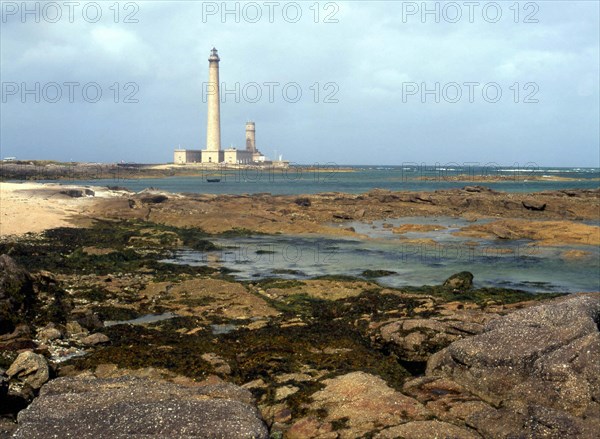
35	207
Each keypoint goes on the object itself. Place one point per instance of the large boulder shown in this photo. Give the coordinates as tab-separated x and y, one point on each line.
29	368
25	376
359	403
540	365
415	340
460	281
16	294
134	407
427	430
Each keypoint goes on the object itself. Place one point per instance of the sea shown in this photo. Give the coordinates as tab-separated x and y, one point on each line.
423	258
311	179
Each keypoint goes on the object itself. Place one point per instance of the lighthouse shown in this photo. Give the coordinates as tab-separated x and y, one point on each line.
250	137
213	153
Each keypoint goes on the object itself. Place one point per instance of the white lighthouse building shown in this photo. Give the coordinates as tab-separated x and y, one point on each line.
213	153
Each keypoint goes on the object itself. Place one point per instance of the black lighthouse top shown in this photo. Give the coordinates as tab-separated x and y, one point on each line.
214	56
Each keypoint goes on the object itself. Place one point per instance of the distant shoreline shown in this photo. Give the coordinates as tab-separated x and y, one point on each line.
71	171
48	170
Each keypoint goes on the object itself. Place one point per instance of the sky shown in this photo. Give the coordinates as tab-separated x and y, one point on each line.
360	82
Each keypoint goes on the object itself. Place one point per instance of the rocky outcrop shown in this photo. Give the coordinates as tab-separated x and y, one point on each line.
23	380
543	232
16	294
95	339
29	369
427	430
303	201
459	281
356	404
415	340
534	205
133	407
536	371
78	192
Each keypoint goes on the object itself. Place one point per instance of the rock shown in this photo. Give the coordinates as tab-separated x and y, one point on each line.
503	232
154	199
419	228
427	430
87	319
534	205
575	254
477	189
7	427
363	403
117	188
459	281
377	273
282	415
221	366
29	368
48	334
132	407
73	328
311	427
258	383
416	340
304	202
283	392
78	193
21	331
17	295
531	422
3	383
95	339
389	198
540	364
342	216
422	198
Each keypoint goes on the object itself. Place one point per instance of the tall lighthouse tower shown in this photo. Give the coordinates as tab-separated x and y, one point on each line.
213	153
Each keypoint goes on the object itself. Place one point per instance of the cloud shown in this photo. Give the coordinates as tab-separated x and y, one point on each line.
368	54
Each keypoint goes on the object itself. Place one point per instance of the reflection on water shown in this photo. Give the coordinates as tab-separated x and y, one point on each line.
415	258
149	318
223	329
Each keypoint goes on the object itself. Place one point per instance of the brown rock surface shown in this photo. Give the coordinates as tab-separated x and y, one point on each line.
417	228
29	369
416	339
280	214
545	232
541	365
131	407
16	294
198	296
365	402
427	430
95	339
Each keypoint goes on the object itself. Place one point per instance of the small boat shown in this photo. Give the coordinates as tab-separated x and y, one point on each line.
213	180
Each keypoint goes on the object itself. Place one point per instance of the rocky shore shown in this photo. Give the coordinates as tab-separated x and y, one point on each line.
99	336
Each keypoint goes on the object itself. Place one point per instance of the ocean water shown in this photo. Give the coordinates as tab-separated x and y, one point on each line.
332	178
